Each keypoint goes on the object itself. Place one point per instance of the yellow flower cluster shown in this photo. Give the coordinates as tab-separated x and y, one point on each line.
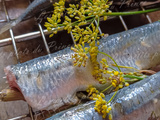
59	7
101	105
92	90
117	79
80	55
98	7
104	65
93	57
68	24
87	9
77	12
93	8
87	35
84	12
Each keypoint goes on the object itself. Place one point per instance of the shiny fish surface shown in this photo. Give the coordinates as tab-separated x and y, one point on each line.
136	102
52	81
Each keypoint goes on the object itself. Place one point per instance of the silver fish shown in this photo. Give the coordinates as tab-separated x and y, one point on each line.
136	102
52	81
33	8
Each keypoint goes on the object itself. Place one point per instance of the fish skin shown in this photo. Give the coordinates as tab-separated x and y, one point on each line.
50	81
33	8
49	76
135	47
136	102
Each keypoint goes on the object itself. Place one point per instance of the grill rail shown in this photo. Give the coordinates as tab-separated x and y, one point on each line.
13	39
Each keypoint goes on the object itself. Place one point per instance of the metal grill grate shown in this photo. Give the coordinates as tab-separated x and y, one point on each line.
19	38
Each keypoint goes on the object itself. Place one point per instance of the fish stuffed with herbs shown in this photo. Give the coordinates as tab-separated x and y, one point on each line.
51	81
93	65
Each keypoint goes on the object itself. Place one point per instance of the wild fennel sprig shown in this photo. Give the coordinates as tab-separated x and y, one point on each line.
77	15
101	105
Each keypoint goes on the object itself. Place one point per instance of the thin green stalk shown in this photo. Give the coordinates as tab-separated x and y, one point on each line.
126	67
112	97
130	13
92	21
121	13
132	76
132	80
98	23
112	68
111	59
97	28
106	88
75	23
91	1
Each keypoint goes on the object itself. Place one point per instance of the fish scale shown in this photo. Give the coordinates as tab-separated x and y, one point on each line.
68	79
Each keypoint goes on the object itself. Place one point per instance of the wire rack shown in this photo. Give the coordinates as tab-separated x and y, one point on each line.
41	32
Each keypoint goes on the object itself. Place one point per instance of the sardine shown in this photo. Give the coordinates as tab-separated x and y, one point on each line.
136	102
51	81
32	9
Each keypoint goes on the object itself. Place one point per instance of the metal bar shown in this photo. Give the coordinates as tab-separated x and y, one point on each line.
72	37
11	32
19	117
2	21
100	31
23	37
44	38
31	112
122	21
147	16
14	45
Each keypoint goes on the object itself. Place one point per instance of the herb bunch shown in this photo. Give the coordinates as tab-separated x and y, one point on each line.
89	12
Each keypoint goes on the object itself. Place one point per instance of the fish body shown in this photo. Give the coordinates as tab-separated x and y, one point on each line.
52	81
136	102
32	9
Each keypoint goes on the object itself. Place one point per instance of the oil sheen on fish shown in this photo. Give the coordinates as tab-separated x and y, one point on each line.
51	81
33	8
136	102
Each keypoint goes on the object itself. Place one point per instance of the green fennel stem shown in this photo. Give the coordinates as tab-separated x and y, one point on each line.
115	14
135	80
111	59
112	97
130	13
106	88
132	76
